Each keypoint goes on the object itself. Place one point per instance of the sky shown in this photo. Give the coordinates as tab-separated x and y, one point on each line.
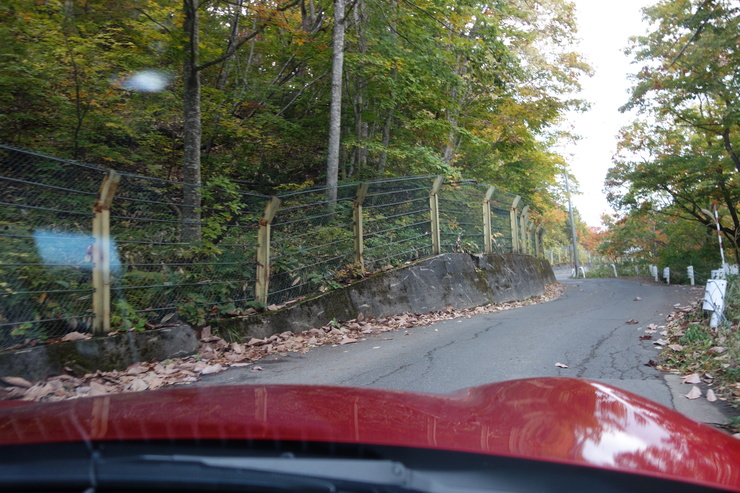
604	29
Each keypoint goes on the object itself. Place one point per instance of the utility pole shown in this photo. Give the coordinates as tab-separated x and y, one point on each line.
576	263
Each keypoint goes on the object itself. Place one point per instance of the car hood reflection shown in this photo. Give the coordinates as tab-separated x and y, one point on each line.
561	420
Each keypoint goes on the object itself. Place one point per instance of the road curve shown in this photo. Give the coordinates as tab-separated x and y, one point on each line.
585	329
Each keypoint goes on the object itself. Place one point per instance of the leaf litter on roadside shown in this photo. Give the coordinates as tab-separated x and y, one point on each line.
704	355
215	354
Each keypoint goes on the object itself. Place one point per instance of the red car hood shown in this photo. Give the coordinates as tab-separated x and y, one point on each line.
551	419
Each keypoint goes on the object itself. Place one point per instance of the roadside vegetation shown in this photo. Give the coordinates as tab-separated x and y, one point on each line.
674	179
706	354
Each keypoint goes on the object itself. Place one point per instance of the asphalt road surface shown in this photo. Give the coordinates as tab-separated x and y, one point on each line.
584	329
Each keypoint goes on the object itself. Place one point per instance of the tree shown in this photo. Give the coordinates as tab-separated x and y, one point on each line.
691	61
680	155
335	113
433	87
676	173
193	132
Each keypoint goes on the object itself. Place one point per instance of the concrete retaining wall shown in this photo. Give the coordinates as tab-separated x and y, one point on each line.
459	280
100	353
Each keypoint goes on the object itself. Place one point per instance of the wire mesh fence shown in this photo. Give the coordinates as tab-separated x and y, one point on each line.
311	241
255	250
45	239
396	222
161	276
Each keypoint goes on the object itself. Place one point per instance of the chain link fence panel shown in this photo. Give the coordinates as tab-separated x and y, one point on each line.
45	246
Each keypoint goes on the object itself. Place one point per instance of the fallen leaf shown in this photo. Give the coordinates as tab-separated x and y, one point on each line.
37	392
646	338
560	365
138	384
637	298
11	393
212	369
205	333
691	379
347	340
711	396
675	347
694	393
661	342
717	350
98	388
17	382
257	368
136	369
651	363
76	336
632	322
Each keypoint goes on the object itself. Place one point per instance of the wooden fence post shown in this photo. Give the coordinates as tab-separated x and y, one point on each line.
263	250
530	237
514	225
101	253
358	226
523	220
487	229
434	215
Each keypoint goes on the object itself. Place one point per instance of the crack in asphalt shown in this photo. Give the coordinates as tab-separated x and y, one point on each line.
428	356
583	364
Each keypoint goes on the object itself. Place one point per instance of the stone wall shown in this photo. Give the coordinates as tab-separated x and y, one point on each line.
455	279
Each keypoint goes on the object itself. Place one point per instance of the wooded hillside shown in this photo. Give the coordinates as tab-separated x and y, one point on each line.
242	90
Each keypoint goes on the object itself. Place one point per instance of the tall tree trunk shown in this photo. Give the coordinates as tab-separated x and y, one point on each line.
386	137
223	75
453	139
335	109
385	142
191	219
361	129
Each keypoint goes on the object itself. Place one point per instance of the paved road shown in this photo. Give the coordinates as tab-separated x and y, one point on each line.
584	329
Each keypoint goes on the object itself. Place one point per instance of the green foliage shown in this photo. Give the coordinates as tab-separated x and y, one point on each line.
468	92
696	334
125	317
679	157
194	309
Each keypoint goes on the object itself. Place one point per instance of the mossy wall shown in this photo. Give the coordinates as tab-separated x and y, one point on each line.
99	353
454	279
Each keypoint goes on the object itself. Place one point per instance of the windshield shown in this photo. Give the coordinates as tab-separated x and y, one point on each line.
425	197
